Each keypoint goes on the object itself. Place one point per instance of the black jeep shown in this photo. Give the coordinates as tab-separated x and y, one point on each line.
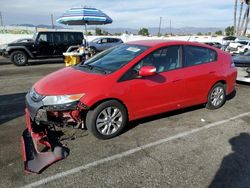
46	44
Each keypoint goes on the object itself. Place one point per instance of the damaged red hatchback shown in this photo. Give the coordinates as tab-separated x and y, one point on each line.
128	82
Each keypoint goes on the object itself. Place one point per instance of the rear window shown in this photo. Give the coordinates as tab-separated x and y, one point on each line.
195	55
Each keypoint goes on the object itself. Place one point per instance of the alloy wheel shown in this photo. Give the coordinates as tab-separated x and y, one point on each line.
217	96
109	120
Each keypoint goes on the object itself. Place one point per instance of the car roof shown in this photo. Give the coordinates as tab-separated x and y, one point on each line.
58	31
157	42
107	38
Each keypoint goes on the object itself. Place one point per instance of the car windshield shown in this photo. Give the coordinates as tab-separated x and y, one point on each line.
34	36
114	58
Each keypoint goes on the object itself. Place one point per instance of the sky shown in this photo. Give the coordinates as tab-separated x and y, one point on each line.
126	13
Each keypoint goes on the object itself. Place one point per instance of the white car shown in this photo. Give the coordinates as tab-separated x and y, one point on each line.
235	46
244	48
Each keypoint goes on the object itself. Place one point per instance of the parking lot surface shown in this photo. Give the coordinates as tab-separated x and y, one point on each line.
194	147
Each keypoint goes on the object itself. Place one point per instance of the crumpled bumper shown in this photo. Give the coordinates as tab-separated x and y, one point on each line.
39	151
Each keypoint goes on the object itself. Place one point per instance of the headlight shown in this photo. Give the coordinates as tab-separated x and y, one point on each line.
61	99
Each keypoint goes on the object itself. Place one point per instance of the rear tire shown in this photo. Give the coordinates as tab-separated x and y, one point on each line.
19	58
107	120
216	96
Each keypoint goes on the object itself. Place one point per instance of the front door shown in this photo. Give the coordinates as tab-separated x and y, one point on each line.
44	46
161	92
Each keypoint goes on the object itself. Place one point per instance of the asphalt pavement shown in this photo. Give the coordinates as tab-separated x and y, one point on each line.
194	147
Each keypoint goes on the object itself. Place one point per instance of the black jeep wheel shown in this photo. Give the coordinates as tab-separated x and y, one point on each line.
19	58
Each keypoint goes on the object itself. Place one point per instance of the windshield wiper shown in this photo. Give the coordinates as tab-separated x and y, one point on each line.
90	67
95	68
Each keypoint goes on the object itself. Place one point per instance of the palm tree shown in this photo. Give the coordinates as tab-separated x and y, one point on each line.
235	13
247	17
243	21
238	27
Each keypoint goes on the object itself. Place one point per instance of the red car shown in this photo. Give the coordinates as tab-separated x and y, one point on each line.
131	81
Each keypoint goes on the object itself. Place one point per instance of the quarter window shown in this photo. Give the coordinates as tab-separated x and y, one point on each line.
195	55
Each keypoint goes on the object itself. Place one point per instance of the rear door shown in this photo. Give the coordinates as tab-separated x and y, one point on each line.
199	72
59	44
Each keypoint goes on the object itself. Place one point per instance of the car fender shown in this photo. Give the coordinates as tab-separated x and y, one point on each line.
13	48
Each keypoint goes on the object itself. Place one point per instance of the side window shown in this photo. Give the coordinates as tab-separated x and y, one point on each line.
195	55
78	38
45	37
42	37
111	40
71	37
104	41
164	59
58	38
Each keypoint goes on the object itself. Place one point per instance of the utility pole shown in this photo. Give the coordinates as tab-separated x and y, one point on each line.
170	27
1	19
159	31
52	21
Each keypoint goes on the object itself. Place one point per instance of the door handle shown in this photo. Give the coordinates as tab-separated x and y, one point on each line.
211	72
177	80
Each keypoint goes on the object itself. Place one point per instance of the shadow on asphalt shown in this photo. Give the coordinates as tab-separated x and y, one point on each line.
235	167
243	83
11	106
135	123
35	62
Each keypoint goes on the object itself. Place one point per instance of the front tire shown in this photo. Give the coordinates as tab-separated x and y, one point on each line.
107	120
19	58
93	50
216	96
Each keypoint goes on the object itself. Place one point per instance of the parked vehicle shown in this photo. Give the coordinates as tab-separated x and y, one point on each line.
132	81
244	48
242	63
103	43
235	46
214	44
124	83
45	44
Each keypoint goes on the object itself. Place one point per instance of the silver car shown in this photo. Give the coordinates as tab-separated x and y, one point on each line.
100	44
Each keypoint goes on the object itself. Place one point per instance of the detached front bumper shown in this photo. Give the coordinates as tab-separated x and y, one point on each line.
40	142
39	150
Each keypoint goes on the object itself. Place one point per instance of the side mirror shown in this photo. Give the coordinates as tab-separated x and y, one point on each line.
147	71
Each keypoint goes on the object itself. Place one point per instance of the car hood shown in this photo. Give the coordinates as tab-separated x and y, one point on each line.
21	43
67	81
